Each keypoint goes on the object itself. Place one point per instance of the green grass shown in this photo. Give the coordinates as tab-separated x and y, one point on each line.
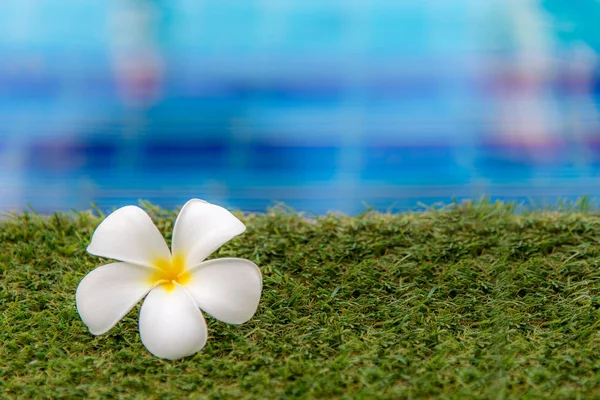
470	301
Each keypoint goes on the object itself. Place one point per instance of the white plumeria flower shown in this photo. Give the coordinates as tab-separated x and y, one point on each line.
177	284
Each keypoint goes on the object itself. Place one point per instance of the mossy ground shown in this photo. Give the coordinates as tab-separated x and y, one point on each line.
470	301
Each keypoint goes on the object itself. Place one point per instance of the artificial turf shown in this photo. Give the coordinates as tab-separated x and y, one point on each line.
470	301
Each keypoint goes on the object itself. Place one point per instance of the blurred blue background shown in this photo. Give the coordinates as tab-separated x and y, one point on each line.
322	105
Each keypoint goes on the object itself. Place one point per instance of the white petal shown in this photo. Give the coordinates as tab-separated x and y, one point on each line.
226	288
171	325
128	234
108	293
202	228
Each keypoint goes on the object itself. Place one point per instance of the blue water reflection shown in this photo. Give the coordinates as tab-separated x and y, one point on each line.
323	106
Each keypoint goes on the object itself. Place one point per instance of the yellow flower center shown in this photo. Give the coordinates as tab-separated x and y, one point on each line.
171	272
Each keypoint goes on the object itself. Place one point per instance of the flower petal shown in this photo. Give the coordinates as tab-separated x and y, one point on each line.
128	234
202	228
108	293
171	325
226	288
